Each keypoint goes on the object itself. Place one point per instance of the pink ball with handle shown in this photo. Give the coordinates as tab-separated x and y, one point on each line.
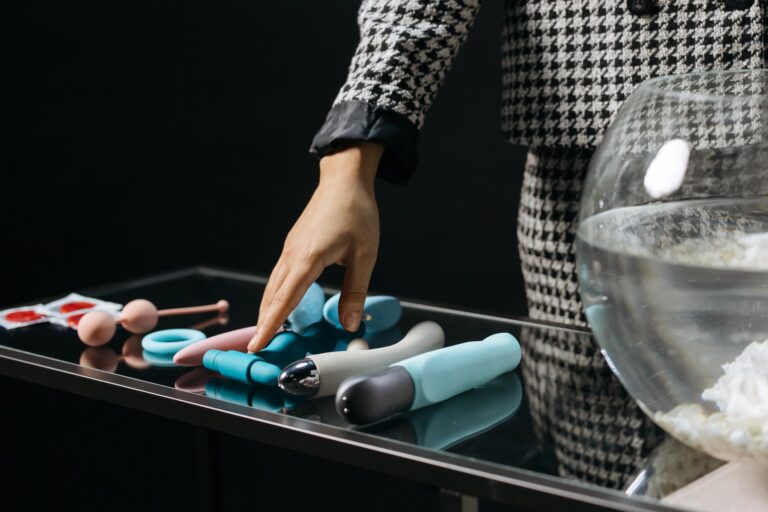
138	316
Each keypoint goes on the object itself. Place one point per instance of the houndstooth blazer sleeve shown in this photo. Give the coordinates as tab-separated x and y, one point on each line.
406	48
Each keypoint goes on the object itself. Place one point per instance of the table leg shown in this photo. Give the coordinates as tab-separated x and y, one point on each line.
209	469
452	501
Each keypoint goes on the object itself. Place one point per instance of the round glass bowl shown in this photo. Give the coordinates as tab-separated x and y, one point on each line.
672	255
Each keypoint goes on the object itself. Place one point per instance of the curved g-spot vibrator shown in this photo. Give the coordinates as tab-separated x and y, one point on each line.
138	316
321	374
309	310
232	340
384	338
170	341
427	379
379	313
462	417
323	337
264	366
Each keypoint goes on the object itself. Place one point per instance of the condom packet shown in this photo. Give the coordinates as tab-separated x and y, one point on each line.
67	311
72	320
14	318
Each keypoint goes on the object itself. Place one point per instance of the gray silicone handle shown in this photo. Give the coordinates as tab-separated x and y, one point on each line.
334	367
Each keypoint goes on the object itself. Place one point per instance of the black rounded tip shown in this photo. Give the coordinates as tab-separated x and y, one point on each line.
300	378
372	397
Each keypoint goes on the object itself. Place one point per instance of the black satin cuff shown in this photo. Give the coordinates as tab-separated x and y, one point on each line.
352	121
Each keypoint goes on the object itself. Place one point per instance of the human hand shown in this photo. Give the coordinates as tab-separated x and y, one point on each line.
340	224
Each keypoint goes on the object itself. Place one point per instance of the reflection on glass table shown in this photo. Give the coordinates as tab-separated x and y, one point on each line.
561	413
438	426
457	419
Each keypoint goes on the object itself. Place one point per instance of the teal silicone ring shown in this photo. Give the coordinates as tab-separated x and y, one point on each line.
170	341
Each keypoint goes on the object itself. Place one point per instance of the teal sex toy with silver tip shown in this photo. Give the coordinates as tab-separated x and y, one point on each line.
427	378
261	368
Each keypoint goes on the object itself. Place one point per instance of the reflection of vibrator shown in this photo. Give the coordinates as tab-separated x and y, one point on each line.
270	398
321	410
448	423
194	380
321	374
427	378
265	398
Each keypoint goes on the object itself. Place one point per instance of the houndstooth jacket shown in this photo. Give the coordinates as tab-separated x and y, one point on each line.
567	65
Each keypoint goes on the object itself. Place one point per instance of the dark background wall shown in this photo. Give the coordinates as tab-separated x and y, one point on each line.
147	136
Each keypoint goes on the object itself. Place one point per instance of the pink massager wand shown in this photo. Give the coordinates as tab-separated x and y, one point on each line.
138	316
232	340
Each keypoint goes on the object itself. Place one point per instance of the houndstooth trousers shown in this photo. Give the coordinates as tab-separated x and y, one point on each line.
546	230
597	432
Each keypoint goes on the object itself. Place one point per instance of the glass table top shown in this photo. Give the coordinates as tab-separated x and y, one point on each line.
561	413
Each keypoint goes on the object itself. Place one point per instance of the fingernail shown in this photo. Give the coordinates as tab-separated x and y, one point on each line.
352	320
254	341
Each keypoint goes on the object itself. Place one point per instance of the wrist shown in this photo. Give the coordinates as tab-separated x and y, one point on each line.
354	165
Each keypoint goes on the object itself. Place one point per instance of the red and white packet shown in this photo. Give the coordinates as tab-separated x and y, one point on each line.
14	318
67	311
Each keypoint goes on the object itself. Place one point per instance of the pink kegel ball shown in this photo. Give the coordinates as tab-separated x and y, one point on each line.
139	316
96	328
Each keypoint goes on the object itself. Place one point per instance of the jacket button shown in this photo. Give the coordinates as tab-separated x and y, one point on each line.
641	7
738	5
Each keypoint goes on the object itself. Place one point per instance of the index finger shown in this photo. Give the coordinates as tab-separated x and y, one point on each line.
276	278
285	299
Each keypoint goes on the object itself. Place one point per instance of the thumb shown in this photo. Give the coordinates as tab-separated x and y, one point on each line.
353	293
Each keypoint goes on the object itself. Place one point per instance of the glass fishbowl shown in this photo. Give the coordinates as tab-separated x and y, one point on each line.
672	256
